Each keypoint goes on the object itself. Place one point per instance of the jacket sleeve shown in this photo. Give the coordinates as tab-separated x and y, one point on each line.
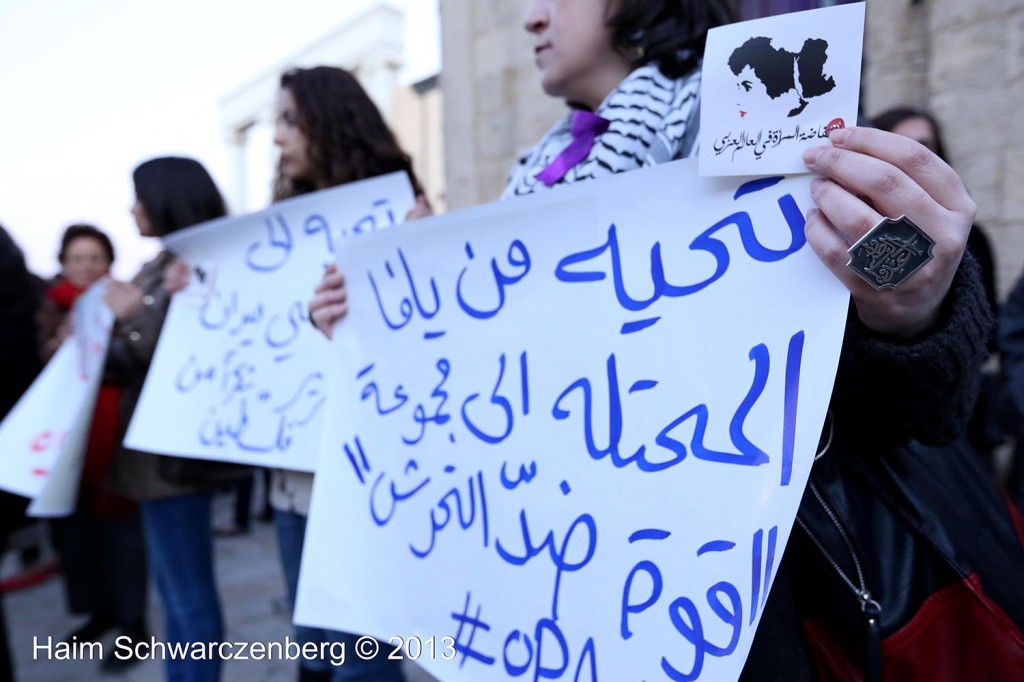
133	340
49	318
889	391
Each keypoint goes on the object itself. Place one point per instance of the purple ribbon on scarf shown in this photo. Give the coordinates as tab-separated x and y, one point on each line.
586	126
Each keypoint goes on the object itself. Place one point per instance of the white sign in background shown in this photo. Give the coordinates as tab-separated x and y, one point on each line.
773	87
43	439
239	372
569	433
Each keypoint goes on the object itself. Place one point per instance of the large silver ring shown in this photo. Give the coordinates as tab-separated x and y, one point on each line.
890	252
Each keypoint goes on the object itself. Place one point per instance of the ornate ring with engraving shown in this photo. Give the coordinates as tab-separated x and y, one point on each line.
890	252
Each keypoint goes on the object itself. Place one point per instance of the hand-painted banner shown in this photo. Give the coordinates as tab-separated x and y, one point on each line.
42	440
238	373
568	434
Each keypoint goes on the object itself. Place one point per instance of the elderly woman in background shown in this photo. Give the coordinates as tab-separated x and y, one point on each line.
100	544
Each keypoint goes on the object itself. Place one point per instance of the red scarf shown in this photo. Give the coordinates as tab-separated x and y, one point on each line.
64	293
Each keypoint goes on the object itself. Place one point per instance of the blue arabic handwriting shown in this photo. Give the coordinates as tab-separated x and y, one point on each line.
526	474
503	403
705	242
317	223
490	421
420	413
723	598
191	374
253	422
250	319
225	311
243	412
282	330
394	495
408	302
381	215
557	553
465	513
747	454
517	257
371	390
273	254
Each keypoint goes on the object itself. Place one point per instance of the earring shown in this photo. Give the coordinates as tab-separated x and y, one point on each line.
636	53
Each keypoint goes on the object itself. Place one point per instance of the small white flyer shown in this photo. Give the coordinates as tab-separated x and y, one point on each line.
773	87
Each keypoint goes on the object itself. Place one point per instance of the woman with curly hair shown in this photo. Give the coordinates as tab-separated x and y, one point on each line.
329	133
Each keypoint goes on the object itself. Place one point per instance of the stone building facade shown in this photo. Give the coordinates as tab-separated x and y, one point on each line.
961	59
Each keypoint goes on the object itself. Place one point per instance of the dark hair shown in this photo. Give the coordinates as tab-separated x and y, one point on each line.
176	192
887	120
18	295
83	230
671	33
346	135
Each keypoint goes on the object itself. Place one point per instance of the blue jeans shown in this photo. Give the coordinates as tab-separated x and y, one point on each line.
291	531
179	542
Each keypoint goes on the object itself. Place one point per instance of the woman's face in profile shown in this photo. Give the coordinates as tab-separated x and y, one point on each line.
573	49
756	107
294	162
142	219
85	262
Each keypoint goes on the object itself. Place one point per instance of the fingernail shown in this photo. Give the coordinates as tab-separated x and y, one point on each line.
816	184
839	136
811	155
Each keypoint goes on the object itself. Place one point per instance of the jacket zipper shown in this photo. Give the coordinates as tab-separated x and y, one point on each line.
869	607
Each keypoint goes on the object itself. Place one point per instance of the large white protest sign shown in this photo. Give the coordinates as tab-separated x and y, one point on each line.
569	433
773	87
42	440
239	372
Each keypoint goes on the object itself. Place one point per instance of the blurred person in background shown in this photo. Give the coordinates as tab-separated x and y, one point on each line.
174	494
19	297
921	126
100	544
992	419
329	132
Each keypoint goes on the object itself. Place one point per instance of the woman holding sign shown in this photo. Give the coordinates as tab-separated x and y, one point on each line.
171	193
101	543
330	133
630	71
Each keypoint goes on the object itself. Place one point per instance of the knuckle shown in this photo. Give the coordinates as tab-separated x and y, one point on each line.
834	256
921	158
830	158
862	224
888	182
970	208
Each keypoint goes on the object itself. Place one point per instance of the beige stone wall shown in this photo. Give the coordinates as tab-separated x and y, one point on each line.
419	112
962	59
494	107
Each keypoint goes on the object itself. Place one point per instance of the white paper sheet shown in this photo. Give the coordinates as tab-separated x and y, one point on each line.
549	408
42	440
239	372
773	87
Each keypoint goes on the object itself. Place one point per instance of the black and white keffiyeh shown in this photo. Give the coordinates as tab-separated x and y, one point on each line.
648	114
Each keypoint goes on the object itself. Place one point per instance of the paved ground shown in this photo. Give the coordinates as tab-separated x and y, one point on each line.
250	582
